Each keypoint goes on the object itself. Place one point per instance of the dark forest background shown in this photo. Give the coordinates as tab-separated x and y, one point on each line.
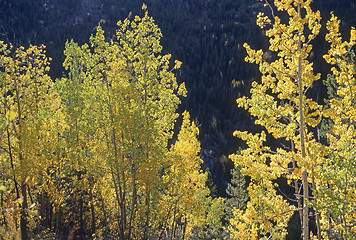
206	35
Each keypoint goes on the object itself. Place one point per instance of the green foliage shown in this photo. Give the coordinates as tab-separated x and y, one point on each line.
214	227
215	217
210	183
236	190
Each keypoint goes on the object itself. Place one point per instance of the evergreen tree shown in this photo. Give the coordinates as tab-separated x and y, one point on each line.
236	190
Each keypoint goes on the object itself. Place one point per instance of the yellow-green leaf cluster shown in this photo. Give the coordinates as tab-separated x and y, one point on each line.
336	195
279	104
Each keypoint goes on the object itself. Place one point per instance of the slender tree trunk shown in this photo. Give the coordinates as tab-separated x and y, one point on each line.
118	199
123	200
317	214
50	213
184	227
57	225
330	226
92	208
163	229
174	220
122	190
305	226
81	219
12	163
296	186
305	207
23	219
115	174
4	223
134	196
29	193
147	213
102	205
13	170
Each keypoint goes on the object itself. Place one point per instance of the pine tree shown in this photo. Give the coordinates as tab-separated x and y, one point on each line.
236	190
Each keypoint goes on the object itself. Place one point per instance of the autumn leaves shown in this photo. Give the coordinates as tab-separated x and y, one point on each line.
94	145
280	103
92	153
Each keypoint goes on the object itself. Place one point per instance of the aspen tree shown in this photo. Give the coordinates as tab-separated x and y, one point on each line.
126	96
279	103
26	95
79	171
185	199
336	188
